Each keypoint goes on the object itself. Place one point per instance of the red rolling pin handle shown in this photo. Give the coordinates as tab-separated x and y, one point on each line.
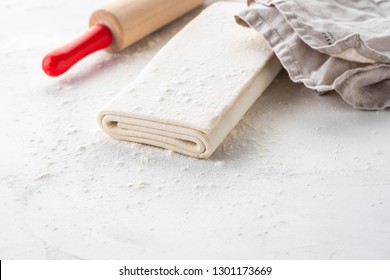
60	60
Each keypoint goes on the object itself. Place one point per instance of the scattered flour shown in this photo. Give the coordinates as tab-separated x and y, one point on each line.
69	191
139	185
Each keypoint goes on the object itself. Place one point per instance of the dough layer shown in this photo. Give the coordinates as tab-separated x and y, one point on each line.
196	89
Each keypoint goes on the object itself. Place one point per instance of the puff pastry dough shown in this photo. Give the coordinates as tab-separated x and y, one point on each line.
197	88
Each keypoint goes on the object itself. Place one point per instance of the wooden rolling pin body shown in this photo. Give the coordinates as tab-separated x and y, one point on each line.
132	20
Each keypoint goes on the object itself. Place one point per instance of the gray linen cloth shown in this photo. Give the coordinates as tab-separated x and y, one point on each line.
341	45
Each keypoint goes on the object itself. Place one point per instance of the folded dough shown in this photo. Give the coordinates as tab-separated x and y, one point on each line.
196	89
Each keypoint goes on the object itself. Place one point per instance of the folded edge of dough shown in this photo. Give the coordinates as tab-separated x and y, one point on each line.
182	137
188	140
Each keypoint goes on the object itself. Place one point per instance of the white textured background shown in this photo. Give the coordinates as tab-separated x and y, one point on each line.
301	176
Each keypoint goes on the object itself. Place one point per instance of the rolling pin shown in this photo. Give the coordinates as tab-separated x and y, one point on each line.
115	27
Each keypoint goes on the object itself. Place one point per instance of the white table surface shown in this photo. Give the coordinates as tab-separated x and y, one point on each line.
302	176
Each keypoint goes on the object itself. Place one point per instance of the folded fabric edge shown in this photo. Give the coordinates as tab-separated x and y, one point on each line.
250	18
366	96
351	47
